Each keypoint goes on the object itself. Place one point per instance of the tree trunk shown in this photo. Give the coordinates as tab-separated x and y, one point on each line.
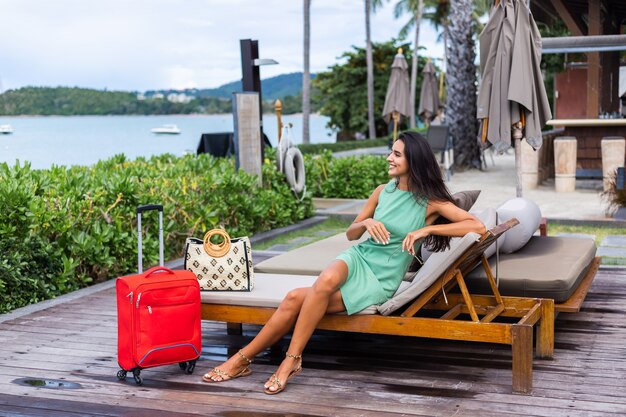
443	81
306	74
370	73
461	94
418	19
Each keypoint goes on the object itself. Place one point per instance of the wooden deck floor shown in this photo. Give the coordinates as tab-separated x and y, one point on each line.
344	374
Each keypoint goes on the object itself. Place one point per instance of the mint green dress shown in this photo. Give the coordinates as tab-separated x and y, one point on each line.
375	270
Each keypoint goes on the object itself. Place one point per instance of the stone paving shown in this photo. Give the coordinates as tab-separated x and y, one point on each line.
613	250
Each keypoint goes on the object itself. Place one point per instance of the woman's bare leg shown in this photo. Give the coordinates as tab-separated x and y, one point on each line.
276	327
324	297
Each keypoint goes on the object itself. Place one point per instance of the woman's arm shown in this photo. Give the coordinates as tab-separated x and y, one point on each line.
461	223
365	222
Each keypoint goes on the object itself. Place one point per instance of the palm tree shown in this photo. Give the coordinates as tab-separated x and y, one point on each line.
416	9
306	74
370	6
437	12
370	72
461	97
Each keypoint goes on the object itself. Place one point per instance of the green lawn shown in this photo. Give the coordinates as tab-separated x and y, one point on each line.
599	232
332	226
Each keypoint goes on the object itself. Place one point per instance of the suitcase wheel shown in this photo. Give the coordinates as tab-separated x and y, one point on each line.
137	377
188	367
121	375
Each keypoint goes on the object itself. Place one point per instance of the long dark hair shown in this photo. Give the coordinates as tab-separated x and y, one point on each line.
426	182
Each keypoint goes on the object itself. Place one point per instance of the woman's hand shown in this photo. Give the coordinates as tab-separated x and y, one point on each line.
412	238
377	230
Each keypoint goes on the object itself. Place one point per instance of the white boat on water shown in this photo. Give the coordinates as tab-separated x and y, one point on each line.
6	129
166	130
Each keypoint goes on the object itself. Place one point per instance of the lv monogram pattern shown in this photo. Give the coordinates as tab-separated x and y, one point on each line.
231	272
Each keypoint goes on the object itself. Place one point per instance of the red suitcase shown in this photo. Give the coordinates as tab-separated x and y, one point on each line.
158	315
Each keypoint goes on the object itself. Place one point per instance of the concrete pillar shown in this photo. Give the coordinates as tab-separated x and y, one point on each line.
613	150
565	164
248	134
530	167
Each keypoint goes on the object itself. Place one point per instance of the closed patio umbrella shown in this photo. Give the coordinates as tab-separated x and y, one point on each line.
512	100
429	94
397	101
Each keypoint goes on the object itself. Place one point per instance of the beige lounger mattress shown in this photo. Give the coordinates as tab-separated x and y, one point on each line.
546	267
310	259
269	290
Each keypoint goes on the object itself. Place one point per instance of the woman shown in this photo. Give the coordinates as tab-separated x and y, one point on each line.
397	216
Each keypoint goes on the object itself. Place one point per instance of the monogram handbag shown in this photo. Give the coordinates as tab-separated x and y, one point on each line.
225	266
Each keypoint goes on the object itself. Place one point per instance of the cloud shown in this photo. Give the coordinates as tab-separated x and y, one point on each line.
148	44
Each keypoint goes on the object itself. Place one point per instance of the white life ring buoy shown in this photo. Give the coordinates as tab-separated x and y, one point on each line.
293	166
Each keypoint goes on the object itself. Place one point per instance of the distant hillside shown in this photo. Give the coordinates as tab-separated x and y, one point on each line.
272	88
69	101
66	101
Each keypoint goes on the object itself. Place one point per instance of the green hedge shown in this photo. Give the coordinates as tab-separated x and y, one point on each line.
64	228
315	148
348	177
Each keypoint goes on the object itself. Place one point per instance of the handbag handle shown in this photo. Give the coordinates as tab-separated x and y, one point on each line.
220	249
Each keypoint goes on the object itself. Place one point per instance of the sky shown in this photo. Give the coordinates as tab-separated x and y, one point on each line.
138	45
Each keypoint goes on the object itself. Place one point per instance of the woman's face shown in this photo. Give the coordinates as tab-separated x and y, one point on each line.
398	164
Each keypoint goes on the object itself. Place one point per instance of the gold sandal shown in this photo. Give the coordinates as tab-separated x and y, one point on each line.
225	376
274	381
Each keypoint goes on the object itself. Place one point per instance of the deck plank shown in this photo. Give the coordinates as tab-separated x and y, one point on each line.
344	374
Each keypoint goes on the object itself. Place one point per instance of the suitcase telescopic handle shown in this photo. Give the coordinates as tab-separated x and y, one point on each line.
140	210
149	207
157	269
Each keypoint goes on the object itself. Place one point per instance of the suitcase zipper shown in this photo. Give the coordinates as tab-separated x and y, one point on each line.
130	297
149	309
138	298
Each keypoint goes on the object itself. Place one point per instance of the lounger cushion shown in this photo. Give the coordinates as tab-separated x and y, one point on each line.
269	290
310	259
428	273
529	216
546	267
488	218
465	199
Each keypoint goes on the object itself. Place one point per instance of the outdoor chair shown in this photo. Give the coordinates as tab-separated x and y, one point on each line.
438	137
457	316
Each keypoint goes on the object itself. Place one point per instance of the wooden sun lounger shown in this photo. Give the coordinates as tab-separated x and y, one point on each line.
452	324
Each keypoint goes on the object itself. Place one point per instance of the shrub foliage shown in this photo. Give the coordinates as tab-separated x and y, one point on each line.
64	228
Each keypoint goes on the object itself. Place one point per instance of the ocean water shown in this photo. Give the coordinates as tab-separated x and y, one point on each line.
83	140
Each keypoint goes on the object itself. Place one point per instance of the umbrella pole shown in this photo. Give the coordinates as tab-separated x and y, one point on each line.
517	138
396	116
